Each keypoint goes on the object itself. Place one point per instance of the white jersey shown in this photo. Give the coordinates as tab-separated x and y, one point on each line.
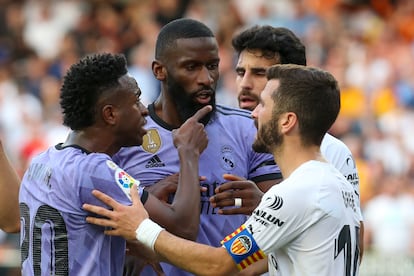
308	224
336	152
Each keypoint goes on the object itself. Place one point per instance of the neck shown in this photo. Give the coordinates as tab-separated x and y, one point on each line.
166	109
92	141
290	157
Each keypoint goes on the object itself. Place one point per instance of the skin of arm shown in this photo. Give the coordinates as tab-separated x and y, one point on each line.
255	269
124	220
9	195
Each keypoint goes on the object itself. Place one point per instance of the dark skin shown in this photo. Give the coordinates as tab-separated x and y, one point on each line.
112	130
120	121
195	65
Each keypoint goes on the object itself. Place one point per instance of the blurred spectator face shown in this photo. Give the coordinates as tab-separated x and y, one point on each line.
251	77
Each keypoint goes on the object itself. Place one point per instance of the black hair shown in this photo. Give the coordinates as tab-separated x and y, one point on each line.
311	93
176	29
84	83
272	41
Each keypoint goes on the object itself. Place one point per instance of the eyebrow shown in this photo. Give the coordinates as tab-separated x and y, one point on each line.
253	69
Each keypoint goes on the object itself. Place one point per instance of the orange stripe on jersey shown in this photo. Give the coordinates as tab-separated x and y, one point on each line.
238	230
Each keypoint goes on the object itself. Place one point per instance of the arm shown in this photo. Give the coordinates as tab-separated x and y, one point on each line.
125	220
196	258
255	269
9	195
182	216
164	188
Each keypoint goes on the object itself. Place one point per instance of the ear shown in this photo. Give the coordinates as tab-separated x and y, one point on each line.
109	114
158	70
288	122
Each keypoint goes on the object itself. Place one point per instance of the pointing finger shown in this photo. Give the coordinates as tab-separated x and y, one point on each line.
202	112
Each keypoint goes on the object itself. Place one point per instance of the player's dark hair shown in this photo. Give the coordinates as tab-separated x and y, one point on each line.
176	29
83	84
272	41
311	93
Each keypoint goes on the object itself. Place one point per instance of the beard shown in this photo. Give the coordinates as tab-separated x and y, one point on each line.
268	137
186	103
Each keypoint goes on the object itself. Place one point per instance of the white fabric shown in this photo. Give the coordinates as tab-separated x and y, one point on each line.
339	155
299	222
147	233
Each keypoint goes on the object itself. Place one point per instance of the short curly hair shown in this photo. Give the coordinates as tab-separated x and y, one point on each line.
271	40
83	84
177	29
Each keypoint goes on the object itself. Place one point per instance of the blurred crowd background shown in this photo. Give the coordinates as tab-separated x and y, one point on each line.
367	44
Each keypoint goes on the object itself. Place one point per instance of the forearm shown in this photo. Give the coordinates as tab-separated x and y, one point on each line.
182	216
196	258
9	195
186	202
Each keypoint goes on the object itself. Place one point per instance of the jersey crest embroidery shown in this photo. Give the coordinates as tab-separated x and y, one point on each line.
152	141
227	159
242	247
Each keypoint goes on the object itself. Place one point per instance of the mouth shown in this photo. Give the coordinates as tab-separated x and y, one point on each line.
143	123
203	97
247	102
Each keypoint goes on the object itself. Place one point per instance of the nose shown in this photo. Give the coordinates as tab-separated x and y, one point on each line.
246	82
255	112
143	109
205	77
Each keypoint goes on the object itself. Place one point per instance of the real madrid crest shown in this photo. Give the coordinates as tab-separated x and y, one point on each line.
227	159
152	141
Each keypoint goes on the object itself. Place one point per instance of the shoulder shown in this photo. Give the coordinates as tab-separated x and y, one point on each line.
233	112
335	151
331	143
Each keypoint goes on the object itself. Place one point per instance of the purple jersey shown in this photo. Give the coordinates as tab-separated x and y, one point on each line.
231	133
55	237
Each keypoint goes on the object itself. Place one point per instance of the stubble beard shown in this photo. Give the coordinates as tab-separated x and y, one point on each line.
268	138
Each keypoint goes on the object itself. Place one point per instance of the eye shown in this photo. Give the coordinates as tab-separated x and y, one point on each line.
240	72
261	73
190	67
212	66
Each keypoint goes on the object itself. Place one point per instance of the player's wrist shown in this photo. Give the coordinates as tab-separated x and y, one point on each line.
147	233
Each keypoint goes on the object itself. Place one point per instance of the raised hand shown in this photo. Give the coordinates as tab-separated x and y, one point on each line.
191	134
237	188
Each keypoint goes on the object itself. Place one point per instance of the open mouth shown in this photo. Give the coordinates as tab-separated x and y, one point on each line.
203	97
247	102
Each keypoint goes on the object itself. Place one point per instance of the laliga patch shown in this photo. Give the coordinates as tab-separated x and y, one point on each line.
242	247
152	141
125	181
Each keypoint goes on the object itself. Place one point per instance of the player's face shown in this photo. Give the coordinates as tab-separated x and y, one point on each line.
251	77
268	135
130	129
192	74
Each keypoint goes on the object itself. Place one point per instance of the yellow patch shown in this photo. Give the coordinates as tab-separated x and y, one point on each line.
152	141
